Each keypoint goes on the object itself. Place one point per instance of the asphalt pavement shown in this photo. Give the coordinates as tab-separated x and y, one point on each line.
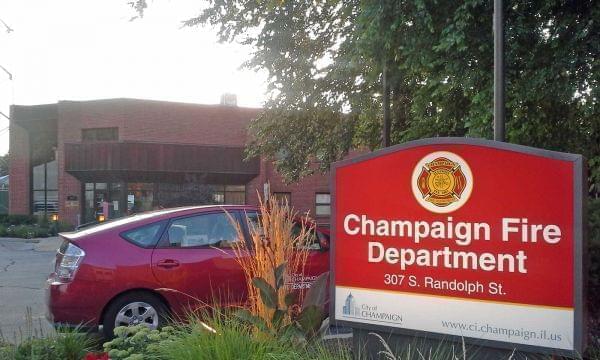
24	267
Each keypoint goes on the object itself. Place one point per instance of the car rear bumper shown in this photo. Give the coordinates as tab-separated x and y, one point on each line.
71	304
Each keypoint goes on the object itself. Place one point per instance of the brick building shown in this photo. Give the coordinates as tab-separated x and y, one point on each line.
86	159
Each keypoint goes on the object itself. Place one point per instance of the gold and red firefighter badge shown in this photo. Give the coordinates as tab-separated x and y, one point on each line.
441	182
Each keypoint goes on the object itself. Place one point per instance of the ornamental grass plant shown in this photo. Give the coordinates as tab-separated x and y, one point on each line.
276	254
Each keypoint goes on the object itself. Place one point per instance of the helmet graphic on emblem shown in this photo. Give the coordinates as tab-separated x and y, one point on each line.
442	182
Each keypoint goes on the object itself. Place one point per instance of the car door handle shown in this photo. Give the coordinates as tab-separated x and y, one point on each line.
167	264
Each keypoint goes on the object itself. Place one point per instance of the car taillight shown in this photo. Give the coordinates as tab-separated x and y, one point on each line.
68	259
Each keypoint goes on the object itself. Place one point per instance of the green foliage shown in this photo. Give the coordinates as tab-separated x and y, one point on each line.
65	345
218	335
226	338
6	219
594	253
7	350
325	62
137	342
305	324
28	227
4	161
26	231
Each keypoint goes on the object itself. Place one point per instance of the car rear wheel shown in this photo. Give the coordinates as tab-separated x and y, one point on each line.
134	309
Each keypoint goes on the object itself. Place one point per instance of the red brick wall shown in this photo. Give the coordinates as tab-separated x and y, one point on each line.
302	193
143	120
19	171
157	121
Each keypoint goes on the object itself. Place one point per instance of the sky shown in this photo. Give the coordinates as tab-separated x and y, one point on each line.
89	49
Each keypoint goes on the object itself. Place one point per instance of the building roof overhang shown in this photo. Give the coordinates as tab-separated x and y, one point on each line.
159	162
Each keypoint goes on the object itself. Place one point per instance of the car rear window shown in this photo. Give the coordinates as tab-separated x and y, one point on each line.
144	236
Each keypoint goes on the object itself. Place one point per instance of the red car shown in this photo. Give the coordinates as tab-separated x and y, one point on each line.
140	269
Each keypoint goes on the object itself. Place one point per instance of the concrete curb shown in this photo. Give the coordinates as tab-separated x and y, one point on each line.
21	240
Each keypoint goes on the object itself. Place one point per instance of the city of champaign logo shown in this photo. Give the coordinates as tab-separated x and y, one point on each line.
442	182
371	312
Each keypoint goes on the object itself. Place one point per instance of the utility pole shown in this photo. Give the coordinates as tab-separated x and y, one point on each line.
499	72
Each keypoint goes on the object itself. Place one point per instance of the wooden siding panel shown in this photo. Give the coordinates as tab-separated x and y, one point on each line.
156	157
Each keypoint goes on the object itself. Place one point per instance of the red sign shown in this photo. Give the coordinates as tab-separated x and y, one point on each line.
489	232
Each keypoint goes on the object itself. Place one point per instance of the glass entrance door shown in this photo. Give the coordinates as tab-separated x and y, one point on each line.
140	197
103	200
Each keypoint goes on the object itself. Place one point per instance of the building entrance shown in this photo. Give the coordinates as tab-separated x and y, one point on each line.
114	200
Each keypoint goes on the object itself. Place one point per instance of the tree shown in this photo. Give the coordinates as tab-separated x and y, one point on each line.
325	61
4	164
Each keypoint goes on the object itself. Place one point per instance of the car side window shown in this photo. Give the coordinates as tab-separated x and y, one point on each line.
206	230
144	236
312	241
254	222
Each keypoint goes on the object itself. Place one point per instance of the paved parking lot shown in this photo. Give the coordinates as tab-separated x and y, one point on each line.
24	266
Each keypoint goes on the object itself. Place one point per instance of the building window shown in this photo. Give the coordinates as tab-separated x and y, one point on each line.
45	189
323	204
229	194
235	194
100	134
118	199
283	198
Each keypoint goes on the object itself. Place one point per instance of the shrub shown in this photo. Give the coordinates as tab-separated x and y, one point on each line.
594	252
27	226
303	323
64	226
594	278
66	345
136	342
220	335
216	334
7	351
223	337
11	219
27	231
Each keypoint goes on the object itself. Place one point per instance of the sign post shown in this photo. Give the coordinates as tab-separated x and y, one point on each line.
463	240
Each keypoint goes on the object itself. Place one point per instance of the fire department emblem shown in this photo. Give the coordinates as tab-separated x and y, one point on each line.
442	182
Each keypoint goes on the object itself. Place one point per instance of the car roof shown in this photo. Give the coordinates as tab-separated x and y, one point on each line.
151	216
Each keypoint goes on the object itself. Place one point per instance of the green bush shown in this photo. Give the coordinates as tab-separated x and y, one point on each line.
65	226
66	345
594	278
224	337
594	253
27	231
27	226
218	335
6	219
136	342
304	323
7	351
